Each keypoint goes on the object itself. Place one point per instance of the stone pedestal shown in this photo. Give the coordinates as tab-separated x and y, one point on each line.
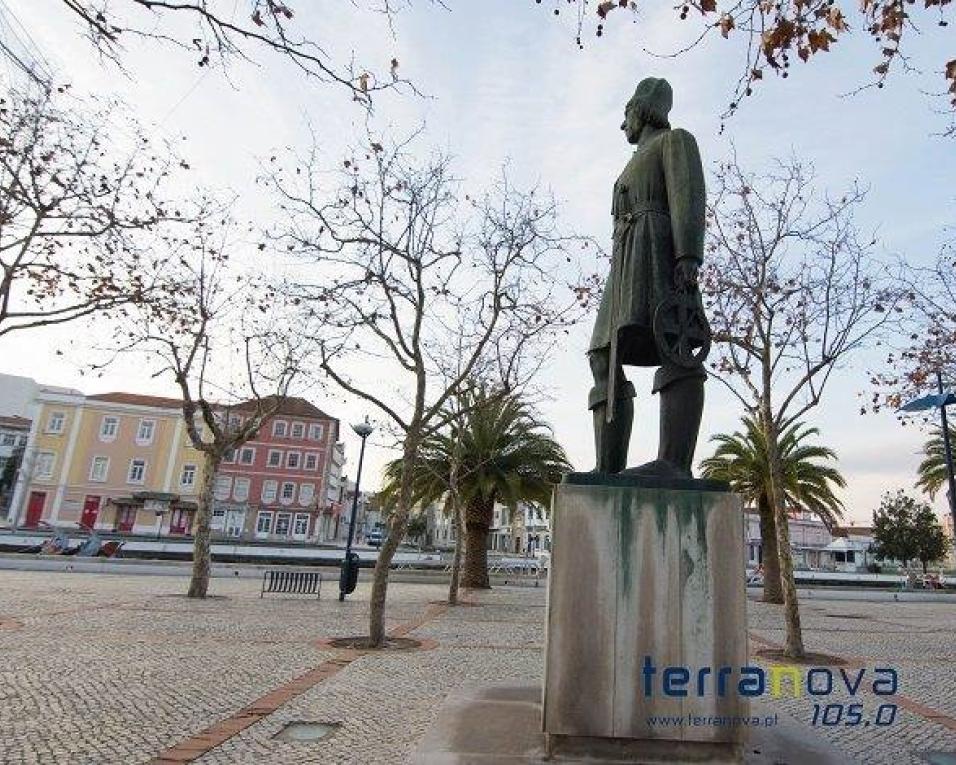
645	571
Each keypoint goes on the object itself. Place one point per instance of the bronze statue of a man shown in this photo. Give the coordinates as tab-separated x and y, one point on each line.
658	210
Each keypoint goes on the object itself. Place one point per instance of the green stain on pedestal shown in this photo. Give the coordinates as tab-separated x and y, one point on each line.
626	531
692	512
686	566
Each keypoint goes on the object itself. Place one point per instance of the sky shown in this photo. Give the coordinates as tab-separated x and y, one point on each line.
503	81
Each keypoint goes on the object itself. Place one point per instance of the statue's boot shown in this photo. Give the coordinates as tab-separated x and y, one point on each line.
682	404
611	438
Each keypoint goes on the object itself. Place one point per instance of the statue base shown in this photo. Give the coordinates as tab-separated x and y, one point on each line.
501	725
646	605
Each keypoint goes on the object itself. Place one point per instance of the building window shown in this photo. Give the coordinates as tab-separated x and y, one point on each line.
315	432
298	430
279	428
44	465
109	426
229	456
9	439
56	422
269	489
306	493
99	468
145	431
264	523
188	477
283	520
288	493
293	460
240	491
247	456
275	458
301	527
311	461
137	471
223	486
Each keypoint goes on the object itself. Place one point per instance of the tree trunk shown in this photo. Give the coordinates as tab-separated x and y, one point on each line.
478	515
199	584
770	559
794	644
456	560
397	525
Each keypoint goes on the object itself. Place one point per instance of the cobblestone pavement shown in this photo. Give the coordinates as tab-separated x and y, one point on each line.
120	669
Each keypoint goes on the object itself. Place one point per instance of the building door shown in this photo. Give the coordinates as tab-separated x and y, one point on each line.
179	522
35	508
234	522
125	519
300	528
91	508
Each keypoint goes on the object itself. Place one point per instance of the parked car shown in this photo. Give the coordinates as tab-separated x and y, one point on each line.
375	538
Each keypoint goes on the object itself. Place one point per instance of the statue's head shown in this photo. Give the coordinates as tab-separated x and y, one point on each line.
650	105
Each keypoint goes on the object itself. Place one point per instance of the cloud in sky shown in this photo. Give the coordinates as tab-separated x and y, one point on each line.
504	81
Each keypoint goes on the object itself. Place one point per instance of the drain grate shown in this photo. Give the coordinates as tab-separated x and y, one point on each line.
301	730
939	758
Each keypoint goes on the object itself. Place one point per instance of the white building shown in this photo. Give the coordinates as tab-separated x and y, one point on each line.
441	528
18	395
852	549
526	529
14	432
809	541
332	513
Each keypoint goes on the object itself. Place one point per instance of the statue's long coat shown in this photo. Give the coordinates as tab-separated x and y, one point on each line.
658	210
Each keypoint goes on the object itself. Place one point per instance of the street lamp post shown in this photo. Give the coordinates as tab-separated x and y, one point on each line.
942	399
348	576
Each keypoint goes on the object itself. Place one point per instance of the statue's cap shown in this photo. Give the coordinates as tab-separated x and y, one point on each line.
655	96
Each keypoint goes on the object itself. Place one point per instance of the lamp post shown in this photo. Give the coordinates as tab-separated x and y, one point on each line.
941	399
348	576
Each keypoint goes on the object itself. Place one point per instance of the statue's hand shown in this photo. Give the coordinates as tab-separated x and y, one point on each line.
685	273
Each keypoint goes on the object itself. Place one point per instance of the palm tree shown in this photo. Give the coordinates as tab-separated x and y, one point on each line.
741	460
931	473
499	452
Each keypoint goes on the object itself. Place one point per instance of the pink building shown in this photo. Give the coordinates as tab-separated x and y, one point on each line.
275	487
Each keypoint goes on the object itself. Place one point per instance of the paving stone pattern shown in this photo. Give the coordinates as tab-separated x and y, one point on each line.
123	669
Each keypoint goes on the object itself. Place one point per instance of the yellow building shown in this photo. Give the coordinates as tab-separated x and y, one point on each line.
112	461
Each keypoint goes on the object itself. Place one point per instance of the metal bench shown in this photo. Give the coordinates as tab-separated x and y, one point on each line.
294	582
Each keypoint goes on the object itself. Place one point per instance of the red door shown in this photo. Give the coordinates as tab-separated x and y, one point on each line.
179	522
125	519
35	508
91	508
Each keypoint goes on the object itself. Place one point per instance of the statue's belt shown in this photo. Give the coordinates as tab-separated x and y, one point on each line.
635	211
639	210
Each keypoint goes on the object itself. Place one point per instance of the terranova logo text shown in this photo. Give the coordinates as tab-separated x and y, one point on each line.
781	680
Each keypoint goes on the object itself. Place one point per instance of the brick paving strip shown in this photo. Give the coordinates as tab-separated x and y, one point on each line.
921	710
215	735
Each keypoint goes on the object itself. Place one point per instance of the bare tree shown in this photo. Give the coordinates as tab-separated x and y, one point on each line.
793	290
414	285
81	218
216	33
218	332
929	343
772	35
